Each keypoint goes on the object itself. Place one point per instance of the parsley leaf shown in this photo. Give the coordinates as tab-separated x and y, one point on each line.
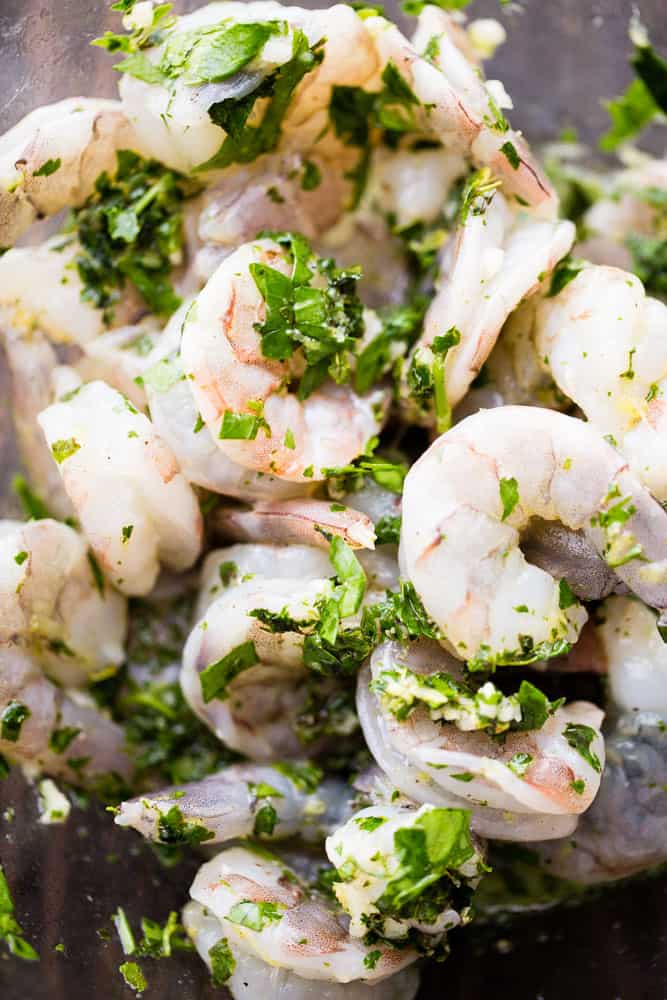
254	915
509	496
11	720
11	931
216	677
580	737
223	962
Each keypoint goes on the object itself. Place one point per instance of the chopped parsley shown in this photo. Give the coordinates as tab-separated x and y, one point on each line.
580	738
426	378
254	915
64	449
565	271
11	931
11	720
174	829
305	777
508	149
243	142
621	545
324	323
311	177
126	533
223	962
216	678
131	230
388	530
519	763
528	652
34	508
401	327
649	262
509	496
47	168
20	557
370	823
346	479
644	99
478	192
60	739
133	976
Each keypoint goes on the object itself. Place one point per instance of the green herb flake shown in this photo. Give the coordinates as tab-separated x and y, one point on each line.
133	976
223	962
64	448
372	958
266	818
580	738
216	678
519	763
47	168
508	149
11	931
566	596
126	533
578	786
33	507
305	777
20	557
254	915
509	496
60	739
370	823
11	720
311	177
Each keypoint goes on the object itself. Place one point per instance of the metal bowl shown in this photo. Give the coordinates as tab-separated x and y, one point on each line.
561	58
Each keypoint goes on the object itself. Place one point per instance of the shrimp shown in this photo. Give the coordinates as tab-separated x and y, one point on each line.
370	857
172	119
32	363
454	763
63	734
569	555
227	567
53	601
51	159
623	832
297	522
456	107
120	357
240	392
243	800
619	379
263	909
134	505
496	257
467	499
635	654
252	696
174	414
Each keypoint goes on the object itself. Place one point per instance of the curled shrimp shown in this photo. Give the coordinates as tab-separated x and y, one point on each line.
605	343
448	762
303	934
635	654
51	159
60	726
254	705
229	804
495	258
230	377
134	505
367	852
623	832
54	602
227	567
466	501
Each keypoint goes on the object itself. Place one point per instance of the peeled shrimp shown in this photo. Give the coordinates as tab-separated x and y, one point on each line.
79	137
494	260
469	496
367	850
624	831
32	362
300	521
605	343
437	762
227	804
86	732
227	567
304	935
222	358
134	505
52	602
636	656
256	712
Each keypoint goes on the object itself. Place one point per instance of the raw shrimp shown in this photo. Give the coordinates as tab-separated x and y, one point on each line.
252	977
120	357
60	726
53	601
456	107
174	415
605	342
302	521
232	380
534	780
624	831
51	159
134	505
636	656
468	497
40	288
173	121
244	800
369	854
235	564
32	362
496	257
293	929
255	685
